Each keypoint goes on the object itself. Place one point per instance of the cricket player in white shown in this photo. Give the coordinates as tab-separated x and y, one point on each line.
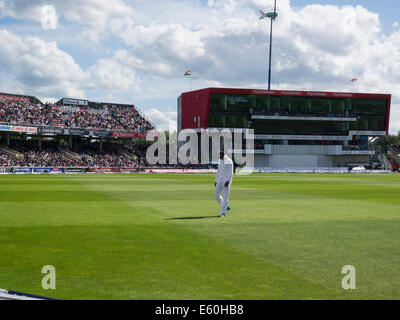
223	182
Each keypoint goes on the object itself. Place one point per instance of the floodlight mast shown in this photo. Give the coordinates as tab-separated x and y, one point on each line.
272	16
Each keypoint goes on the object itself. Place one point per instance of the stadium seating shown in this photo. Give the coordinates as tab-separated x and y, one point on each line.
21	152
111	117
48	157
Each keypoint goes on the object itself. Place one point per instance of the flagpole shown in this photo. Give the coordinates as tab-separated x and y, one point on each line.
270	51
356	81
272	16
189	74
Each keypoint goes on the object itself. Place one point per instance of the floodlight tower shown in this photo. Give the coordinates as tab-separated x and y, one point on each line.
272	16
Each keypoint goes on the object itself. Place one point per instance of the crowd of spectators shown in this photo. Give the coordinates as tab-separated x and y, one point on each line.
34	158
128	117
116	117
115	156
106	159
28	154
111	117
54	158
8	161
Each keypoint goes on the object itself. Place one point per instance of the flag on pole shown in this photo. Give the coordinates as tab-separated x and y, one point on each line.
355	80
188	73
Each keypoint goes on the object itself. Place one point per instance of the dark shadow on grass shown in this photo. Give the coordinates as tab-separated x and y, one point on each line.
192	218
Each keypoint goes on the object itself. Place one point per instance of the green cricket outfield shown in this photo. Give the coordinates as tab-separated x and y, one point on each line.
157	236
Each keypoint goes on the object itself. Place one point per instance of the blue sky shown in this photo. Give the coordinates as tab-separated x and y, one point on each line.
136	51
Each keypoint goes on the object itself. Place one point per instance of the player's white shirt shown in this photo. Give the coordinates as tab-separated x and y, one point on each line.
225	170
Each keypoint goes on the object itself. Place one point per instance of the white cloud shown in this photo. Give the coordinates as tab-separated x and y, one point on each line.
40	66
161	119
230	45
98	18
47	99
165	44
97	13
224	43
143	65
113	75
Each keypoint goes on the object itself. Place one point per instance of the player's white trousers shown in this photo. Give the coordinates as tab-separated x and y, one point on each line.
222	195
